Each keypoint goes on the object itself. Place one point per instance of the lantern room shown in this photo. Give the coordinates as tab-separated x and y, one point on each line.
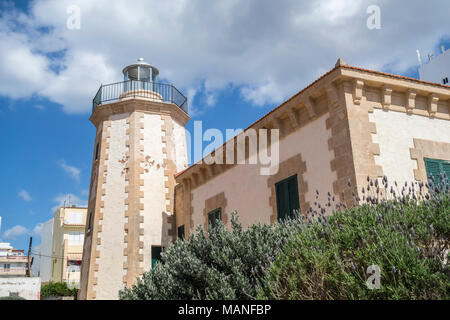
140	71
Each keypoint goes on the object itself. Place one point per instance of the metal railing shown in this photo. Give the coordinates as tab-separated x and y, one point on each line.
118	91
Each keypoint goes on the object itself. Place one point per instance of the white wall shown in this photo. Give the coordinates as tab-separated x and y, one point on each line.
179	141
36	261
28	288
395	134
110	273
437	69
45	250
154	190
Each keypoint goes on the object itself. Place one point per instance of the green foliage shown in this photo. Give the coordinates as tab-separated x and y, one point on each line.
316	256
58	289
12	297
220	265
328	258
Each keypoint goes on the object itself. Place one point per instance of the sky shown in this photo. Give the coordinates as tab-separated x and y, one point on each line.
234	60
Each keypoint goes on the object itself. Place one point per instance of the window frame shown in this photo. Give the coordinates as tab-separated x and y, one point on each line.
214	215
179	230
97	151
155	259
89	224
295	192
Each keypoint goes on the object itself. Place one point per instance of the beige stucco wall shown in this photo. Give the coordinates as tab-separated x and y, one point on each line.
153	188
179	141
395	134
312	142
60	245
247	191
110	272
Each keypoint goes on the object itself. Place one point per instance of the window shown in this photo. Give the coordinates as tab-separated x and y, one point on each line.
214	217
181	232
89	222
74	217
156	254
445	80
73	266
96	150
75	238
287	197
434	167
7	266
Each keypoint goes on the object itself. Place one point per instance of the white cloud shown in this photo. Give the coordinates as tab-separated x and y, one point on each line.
270	48
265	92
37	230
18	231
15	232
24	195
74	172
68	199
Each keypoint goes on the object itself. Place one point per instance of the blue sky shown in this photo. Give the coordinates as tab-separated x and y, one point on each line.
235	62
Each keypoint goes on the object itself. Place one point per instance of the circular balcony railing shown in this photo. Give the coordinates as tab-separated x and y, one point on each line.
131	89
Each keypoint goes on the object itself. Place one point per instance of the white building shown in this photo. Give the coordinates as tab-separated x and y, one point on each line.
27	288
35	261
13	262
43	253
437	69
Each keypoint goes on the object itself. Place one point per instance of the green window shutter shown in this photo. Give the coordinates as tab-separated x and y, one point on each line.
282	194
294	203
214	216
435	167
181	232
432	167
156	254
446	168
287	197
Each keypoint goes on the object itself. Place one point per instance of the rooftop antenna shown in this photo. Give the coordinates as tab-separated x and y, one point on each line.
419	57
430	55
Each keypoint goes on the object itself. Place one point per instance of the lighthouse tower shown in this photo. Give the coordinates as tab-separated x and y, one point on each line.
139	145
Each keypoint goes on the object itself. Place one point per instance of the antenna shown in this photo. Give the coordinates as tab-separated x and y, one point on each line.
430	55
418	57
443	48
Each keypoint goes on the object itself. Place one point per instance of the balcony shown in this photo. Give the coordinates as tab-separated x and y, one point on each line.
136	89
13	272
13	259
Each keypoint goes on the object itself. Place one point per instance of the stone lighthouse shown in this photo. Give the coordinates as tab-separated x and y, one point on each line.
140	144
